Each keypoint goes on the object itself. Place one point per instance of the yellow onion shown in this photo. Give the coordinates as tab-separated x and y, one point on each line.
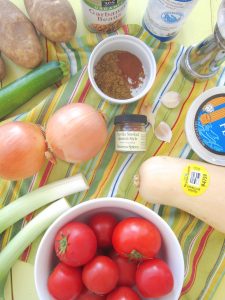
76	132
22	150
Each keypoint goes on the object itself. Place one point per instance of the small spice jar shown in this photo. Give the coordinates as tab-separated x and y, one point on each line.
130	133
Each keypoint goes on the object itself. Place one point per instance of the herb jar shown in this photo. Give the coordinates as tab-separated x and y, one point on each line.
130	133
104	16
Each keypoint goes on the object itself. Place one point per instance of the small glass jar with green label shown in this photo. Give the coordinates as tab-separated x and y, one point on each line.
130	133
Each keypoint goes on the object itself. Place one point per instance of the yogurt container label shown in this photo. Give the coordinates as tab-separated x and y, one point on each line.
209	124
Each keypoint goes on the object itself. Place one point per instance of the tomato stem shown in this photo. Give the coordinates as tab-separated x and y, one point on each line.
135	255
63	243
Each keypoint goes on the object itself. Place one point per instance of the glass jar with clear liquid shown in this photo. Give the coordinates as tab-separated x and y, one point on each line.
164	18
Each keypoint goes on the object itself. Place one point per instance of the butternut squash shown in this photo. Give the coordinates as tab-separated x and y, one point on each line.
193	186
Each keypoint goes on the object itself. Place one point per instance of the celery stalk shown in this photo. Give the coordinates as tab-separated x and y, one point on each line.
26	236
28	203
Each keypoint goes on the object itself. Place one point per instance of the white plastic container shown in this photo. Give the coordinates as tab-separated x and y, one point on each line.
164	18
133	45
205	126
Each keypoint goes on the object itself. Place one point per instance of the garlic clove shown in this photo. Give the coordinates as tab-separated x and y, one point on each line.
146	110
163	132
171	99
49	156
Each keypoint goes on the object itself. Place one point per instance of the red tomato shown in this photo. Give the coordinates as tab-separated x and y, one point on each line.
136	238
88	295
154	278
65	283
100	275
103	225
75	244
127	269
123	293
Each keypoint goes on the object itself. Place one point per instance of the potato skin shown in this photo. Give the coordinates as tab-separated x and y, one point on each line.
2	69
55	19
18	38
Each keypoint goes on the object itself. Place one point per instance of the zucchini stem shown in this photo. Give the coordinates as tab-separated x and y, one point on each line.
64	68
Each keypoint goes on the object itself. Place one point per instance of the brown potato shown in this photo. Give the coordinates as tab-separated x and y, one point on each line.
55	19
2	69
18	38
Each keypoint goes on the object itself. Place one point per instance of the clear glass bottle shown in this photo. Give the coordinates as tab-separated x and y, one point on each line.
130	133
104	16
164	18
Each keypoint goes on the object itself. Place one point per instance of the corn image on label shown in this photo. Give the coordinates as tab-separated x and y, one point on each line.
195	180
210	124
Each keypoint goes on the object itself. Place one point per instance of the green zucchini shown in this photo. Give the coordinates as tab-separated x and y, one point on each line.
23	89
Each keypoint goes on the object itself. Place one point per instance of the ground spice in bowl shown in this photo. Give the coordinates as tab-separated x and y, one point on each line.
119	74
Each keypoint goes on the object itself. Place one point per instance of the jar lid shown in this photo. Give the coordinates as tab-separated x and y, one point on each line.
205	126
130	118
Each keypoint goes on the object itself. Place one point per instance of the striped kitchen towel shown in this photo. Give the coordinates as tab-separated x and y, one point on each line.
111	173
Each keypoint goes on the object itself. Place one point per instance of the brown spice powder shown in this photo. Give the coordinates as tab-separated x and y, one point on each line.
117	73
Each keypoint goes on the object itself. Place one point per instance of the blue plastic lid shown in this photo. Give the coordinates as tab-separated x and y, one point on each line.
205	126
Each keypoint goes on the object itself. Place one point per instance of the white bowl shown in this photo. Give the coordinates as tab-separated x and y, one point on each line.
170	252
132	45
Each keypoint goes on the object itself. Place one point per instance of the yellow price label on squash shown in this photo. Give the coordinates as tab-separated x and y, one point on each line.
195	180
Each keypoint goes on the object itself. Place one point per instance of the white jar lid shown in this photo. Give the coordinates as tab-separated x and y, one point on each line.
205	126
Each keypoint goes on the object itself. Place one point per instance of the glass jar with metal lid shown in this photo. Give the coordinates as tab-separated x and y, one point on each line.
130	133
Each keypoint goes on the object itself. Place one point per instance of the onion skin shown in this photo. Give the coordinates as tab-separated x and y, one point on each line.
76	132
22	151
